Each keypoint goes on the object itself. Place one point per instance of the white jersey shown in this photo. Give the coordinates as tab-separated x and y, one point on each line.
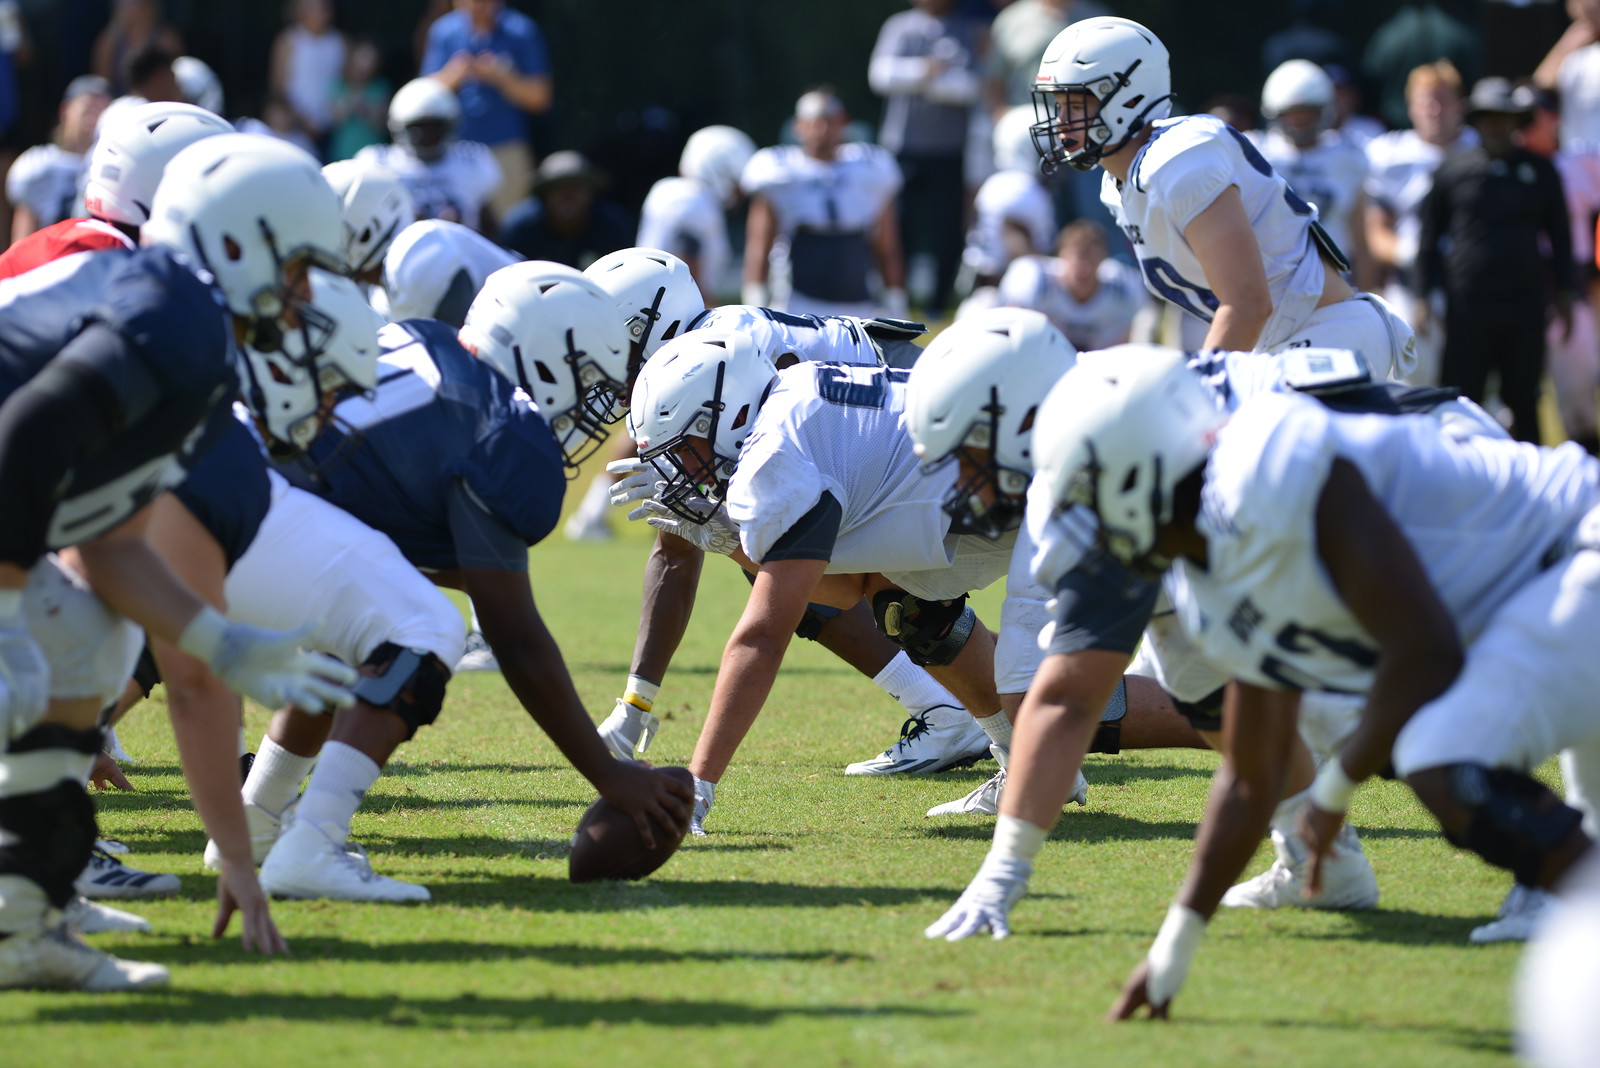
1578	79
1181	169
1008	199
809	338
1097	323
682	216
434	268
1484	516
48	179
1401	173
454	187
1329	176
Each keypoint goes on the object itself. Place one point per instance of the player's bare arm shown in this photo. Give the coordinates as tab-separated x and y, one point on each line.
1225	244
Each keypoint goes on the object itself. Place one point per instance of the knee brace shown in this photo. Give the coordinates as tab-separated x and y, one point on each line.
817	616
45	811
145	672
1204	714
1108	735
1513	821
932	633
409	682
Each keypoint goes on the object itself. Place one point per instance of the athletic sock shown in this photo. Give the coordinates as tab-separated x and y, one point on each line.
998	728
338	785
275	777
596	503
912	686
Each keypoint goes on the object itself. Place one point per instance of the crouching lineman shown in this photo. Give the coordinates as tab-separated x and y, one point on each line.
1354	553
462	463
111	366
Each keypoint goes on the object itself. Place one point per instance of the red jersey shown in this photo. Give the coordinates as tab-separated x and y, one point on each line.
62	239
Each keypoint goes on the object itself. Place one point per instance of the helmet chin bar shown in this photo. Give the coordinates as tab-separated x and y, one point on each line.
1124	546
583	428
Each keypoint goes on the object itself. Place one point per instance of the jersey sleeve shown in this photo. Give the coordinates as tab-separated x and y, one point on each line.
1266	473
481	538
176	322
1060	538
763	171
886	172
1101	605
1185	171
23	177
516	473
774	486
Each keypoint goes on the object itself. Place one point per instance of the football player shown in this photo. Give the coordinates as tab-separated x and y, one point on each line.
448	179
686	215
1088	296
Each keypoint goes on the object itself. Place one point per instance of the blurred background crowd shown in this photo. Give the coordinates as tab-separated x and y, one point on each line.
1453	148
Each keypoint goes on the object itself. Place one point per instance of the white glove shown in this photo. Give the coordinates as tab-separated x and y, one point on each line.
24	672
987	900
638	480
704	794
267	665
718	534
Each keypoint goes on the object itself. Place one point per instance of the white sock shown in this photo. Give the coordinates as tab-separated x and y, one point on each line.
338	785
998	728
476	629
275	776
597	499
912	686
243	745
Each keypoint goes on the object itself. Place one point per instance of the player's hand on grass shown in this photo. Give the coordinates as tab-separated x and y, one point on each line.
986	902
238	890
704	794
1319	828
1136	995
652	799
718	534
636	481
106	774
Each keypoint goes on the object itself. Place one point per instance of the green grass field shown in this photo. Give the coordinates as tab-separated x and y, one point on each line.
793	934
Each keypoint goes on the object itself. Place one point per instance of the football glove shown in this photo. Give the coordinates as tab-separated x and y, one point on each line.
704	794
986	902
268	666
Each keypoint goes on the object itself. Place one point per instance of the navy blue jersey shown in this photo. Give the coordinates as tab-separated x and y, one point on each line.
445	456
227	489
158	343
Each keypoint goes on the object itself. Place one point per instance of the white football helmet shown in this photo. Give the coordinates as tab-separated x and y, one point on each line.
377	206
716	155
554	333
1013	141
127	160
424	100
1299	83
1117	434
199	83
706	385
288	396
978	386
1118	62
655	293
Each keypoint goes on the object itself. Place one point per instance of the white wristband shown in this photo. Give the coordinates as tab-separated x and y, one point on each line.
1171	952
203	636
1332	788
1017	839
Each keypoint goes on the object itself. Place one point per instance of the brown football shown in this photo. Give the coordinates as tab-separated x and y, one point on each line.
607	843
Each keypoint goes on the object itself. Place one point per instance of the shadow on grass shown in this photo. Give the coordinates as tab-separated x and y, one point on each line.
1475	1039
467	1012
546	894
1074	826
1400	927
459	952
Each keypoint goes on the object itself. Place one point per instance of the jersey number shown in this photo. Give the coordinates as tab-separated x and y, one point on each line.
1294	638
837	385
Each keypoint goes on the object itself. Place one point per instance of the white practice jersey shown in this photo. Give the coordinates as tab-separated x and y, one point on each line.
809	338
454	187
1011	198
1401	166
847	193
1097	323
48	179
1329	176
1484	515
434	268
1185	165
682	216
840	429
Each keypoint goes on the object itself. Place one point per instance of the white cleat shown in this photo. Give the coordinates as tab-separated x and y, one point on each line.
308	864
932	740
112	846
55	959
90	917
113	748
264	830
628	730
108	877
477	656
1520	915
1348	881
985	800
588	526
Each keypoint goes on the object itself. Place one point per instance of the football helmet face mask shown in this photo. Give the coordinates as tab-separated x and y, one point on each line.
1101	81
554	333
655	293
974	396
132	152
1299	83
692	409
376	207
1117	434
423	117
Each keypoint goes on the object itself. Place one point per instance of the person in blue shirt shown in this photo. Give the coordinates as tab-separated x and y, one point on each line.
496	61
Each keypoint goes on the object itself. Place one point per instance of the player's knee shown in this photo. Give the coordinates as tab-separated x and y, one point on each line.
408	682
1108	734
1508	818
932	633
1204	714
817	616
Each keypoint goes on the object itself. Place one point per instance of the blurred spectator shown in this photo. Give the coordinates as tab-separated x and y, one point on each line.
926	64
1017	40
278	119
1235	109
1308	36
1012	213
827	209
448	179
1401	165
1572	68
148	75
1357	128
1090	298
1482	224
687	215
199	83
496	61
307	59
1416	34
43	184
360	103
565	219
135	25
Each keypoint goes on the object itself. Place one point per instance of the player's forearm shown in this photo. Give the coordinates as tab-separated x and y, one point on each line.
128	575
529	92
1401	685
671	578
1237	327
1236	819
205	718
744	680
537	674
